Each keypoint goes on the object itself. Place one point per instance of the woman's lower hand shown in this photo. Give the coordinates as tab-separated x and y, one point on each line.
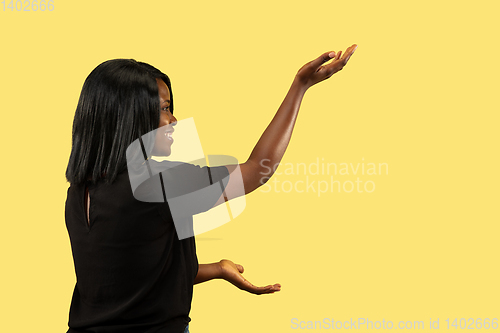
231	272
314	71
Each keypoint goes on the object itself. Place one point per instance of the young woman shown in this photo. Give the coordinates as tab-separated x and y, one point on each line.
134	274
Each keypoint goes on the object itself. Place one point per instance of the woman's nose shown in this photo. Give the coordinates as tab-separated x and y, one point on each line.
173	120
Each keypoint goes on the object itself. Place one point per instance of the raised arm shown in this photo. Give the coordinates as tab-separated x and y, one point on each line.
271	146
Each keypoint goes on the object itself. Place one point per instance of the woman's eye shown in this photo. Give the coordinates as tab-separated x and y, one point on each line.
166	108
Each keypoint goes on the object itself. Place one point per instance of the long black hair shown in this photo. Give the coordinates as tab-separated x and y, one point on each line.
119	103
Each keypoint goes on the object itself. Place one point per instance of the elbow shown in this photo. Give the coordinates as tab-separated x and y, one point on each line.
257	175
257	183
264	178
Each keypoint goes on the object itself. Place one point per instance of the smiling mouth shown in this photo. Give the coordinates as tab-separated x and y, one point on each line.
168	134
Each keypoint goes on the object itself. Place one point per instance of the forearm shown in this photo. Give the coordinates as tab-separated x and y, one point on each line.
208	272
271	146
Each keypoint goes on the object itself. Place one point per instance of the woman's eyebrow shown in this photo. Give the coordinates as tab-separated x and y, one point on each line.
166	101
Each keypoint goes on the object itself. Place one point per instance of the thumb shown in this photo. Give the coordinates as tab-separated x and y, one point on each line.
323	58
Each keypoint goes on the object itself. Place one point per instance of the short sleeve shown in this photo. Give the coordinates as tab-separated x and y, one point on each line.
182	190
185	179
190	190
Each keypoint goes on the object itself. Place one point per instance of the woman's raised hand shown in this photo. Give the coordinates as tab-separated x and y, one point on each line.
314	71
231	272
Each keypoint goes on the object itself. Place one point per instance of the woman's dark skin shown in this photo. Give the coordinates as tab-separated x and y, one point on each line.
270	148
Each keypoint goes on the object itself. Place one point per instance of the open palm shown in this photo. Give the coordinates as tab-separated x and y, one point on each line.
231	272
314	71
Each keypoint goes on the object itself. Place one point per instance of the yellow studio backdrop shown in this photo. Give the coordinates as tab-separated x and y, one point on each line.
404	230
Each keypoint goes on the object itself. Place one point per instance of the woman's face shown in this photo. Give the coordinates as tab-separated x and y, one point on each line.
164	138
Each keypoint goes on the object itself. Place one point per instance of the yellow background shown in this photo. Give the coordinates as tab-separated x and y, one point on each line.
420	94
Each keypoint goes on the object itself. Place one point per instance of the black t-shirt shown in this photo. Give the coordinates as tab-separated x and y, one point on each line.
133	273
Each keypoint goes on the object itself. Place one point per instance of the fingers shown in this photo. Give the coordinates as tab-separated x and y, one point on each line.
338	55
276	287
340	61
322	59
351	50
239	281
270	289
246	285
348	53
233	275
325	57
